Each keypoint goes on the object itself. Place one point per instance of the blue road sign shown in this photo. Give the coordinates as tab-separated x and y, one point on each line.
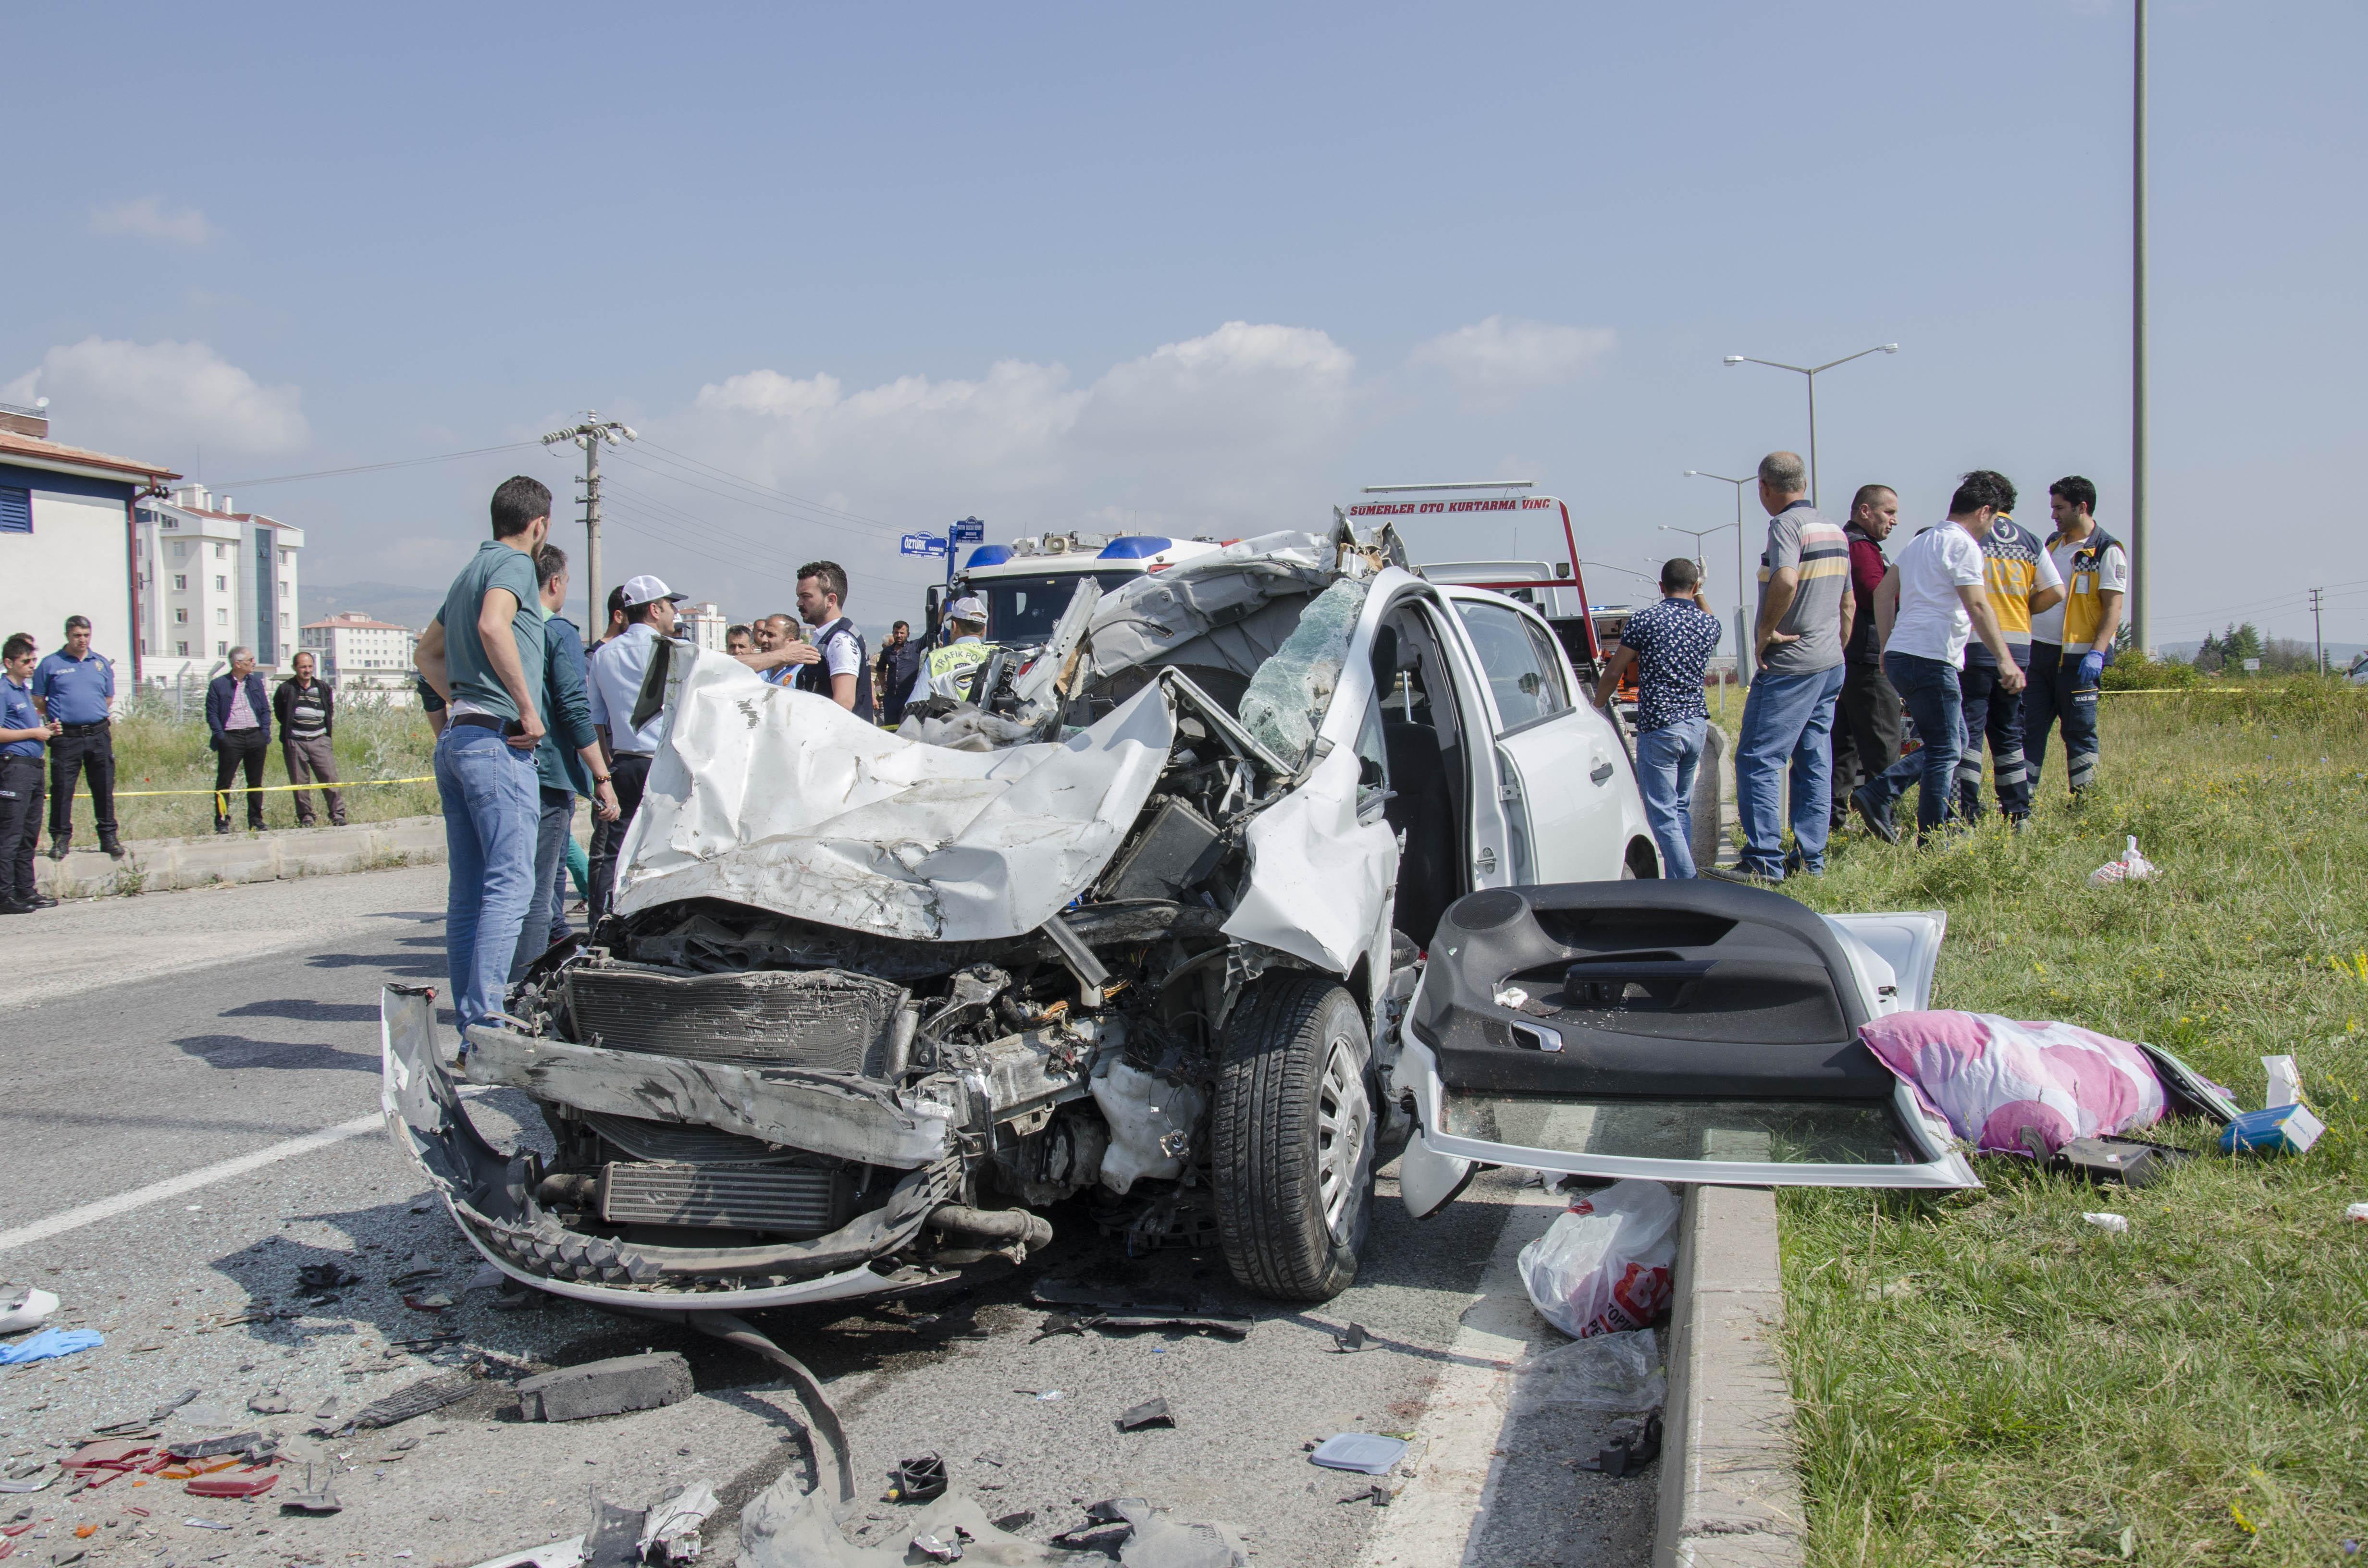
969	530
922	544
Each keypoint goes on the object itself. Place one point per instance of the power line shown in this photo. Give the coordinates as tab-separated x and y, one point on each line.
687	459
819	522
370	468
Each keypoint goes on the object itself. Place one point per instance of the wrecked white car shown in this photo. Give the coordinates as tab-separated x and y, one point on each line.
1140	931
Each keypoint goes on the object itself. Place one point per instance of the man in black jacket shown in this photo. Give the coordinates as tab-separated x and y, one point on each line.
307	711
1867	729
900	656
240	718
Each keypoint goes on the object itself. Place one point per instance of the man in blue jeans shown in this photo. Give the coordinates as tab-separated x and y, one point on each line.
567	764
1931	603
1670	645
484	655
1805	603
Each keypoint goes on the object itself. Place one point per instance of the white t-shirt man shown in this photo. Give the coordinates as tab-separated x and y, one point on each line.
1932	622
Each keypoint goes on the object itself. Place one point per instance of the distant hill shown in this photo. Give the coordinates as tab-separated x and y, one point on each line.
404	604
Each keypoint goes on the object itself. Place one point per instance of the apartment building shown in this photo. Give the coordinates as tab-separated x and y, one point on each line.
213	579
705	624
357	654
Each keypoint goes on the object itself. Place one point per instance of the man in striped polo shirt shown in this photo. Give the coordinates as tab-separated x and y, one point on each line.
1805	602
2021	581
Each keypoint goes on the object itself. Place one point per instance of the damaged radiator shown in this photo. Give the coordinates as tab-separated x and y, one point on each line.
791	1200
828	1018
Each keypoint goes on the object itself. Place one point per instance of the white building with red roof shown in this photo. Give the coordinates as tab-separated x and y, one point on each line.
357	653
68	540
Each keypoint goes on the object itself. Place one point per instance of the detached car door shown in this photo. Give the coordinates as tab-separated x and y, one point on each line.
1684	1031
1562	773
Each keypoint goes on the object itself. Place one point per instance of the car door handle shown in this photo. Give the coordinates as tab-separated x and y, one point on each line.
1600	772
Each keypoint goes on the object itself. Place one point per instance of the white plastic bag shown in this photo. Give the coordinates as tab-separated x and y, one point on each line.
2132	867
1603	1266
1608	1372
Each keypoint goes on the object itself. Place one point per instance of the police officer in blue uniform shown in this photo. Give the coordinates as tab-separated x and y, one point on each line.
73	687
23	735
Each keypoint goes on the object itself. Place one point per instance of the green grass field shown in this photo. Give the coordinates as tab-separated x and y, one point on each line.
1985	1378
155	751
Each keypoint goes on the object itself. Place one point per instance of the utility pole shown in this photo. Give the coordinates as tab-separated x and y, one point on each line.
2317	642
2141	601
589	433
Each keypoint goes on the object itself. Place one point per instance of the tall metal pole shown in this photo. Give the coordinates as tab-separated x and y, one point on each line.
2317	641
590	435
1813	451
2141	601
592	617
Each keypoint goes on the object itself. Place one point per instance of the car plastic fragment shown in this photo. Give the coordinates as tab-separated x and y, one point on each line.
1083	1308
23	1306
1368	1453
1150	1412
670	1534
917	1480
315	1497
1630	1454
1351	1339
252	1485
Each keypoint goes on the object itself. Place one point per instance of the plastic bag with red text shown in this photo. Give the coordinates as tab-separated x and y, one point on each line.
1603	1266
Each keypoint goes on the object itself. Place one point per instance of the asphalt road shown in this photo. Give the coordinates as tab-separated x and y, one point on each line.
151	1042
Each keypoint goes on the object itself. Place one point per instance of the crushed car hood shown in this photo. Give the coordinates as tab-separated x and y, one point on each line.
784	801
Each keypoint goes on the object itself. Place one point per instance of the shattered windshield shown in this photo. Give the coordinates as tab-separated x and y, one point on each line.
1291	691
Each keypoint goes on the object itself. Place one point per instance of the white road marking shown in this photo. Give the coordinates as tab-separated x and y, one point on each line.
172	1186
1436	1519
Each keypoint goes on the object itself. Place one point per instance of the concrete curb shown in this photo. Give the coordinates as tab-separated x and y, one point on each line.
1730	1480
161	865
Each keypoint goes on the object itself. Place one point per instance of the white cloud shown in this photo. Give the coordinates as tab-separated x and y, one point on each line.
1214	431
1497	360
159	401
146	218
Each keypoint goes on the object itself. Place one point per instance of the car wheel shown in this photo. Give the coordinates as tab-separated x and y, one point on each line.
1292	1140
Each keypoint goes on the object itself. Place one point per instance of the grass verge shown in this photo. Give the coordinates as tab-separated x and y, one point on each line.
154	750
1984	1377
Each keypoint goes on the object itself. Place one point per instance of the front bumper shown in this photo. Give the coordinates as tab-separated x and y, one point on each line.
487	1192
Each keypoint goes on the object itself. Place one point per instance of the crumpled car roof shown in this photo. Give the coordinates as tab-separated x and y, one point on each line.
783	801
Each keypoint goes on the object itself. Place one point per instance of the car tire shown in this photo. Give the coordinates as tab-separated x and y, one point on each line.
1291	1139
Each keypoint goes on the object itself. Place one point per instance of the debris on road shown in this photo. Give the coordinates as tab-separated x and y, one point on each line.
2129	1161
1078	1309
417	1267
1368	1453
917	1480
434	1303
1150	1412
252	1483
419	1399
1629	1452
1349	1340
23	1307
1604	1371
670	1534
270	1401
2117	1224
606	1388
315	1495
49	1345
320	1277
784	1529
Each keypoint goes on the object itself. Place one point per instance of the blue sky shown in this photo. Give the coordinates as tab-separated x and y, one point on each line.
906	264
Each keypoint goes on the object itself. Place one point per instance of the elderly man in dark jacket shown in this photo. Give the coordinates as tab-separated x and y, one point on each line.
239	713
307	711
568	763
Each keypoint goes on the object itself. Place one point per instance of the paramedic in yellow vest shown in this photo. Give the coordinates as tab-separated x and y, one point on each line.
950	669
2071	646
2020	582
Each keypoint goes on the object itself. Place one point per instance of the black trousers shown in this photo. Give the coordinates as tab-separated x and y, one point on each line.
1866	731
20	825
92	755
237	749
1991	710
2055	695
630	775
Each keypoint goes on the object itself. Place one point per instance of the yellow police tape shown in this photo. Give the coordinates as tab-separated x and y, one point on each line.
264	789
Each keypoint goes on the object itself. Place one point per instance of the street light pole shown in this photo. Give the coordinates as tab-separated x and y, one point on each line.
1742	632
1812	372
2141	601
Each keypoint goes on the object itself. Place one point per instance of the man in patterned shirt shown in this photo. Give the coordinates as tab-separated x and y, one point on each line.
2020	580
1670	645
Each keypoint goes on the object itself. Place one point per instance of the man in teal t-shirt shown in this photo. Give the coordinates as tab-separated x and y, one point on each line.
477	656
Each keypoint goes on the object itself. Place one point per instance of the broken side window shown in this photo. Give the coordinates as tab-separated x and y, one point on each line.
1291	691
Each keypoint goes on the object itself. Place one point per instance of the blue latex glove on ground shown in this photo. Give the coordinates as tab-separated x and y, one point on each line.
49	1343
2092	670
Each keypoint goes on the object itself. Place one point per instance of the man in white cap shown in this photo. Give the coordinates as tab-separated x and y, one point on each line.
953	666
617	668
